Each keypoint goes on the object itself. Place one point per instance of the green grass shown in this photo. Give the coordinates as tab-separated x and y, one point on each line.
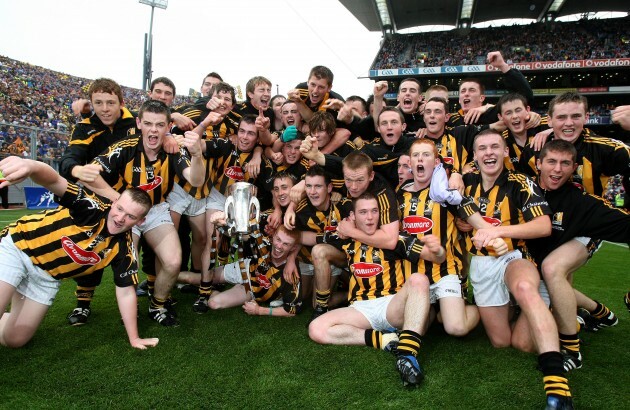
229	360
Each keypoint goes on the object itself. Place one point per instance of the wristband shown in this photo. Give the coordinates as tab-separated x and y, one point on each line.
270	310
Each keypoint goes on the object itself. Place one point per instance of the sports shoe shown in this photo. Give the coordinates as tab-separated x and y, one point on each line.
143	288
592	324
163	317
317	312
188	288
559	403
410	371
79	316
201	305
571	360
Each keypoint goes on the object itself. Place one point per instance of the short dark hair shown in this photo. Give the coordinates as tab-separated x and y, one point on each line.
214	75
156	107
318	171
323	120
164	80
413	80
367	196
440	100
391	109
247	119
359	99
567	97
482	88
319	71
557	145
105	85
285	174
222	87
509	98
487	132
140	197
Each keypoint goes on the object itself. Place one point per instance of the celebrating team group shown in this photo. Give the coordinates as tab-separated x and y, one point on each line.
414	213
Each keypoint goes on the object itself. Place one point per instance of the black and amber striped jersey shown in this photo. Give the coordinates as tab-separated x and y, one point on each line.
598	159
577	213
126	165
455	146
268	284
72	240
337	180
420	216
91	137
298	170
513	199
310	219
247	108
229	164
512	161
385	157
198	112
375	272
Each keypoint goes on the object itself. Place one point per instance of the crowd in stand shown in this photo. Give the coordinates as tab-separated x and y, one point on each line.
33	97
586	39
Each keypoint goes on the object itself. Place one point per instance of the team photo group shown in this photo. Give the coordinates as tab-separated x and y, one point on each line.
377	218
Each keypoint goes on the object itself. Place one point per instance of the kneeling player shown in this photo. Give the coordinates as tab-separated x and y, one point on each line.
381	299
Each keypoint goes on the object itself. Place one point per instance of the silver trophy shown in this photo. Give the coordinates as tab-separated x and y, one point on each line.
238	208
238	211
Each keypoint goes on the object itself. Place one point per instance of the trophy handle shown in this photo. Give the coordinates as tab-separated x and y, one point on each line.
256	204
229	202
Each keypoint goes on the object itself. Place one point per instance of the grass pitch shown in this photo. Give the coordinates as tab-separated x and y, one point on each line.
227	359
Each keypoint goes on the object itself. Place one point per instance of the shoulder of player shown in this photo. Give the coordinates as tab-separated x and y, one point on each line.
593	139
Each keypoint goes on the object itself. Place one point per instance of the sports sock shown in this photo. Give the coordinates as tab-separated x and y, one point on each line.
205	289
84	296
156	303
150	283
600	311
551	365
373	338
570	343
409	343
322	297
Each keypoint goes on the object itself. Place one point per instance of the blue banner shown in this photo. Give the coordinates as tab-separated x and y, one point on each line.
39	198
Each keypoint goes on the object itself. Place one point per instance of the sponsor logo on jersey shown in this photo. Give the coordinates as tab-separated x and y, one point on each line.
366	270
236	173
415	224
263	281
152	185
330	228
448	160
77	254
492	221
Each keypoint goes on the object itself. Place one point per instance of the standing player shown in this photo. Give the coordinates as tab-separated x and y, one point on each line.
86	233
142	162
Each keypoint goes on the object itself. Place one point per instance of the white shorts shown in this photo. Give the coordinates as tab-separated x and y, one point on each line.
307	269
447	287
17	269
487	277
375	311
183	203
232	272
216	200
591	245
158	215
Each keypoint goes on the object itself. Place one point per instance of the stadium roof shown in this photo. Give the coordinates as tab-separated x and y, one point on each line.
373	14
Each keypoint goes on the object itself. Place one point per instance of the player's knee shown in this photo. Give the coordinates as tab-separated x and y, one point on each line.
317	332
419	282
215	304
172	264
458	328
500	341
525	292
551	270
524	344
14	341
319	254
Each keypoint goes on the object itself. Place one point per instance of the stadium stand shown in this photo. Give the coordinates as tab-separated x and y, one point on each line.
556	41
